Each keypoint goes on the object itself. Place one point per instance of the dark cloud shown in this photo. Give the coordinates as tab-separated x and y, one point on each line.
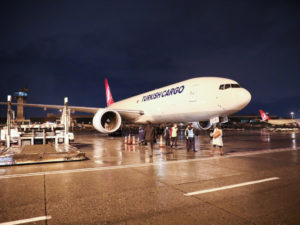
67	48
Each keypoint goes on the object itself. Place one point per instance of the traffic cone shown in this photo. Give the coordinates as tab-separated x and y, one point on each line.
125	140
129	140
133	140
161	141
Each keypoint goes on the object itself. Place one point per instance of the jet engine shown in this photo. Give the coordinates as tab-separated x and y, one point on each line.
107	121
202	125
205	125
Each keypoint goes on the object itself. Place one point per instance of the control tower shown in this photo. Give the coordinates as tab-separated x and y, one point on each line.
21	97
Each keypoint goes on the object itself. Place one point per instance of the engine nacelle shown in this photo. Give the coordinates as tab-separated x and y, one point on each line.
107	121
202	125
205	125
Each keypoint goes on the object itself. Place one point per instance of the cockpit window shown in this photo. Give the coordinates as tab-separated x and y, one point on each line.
235	86
226	86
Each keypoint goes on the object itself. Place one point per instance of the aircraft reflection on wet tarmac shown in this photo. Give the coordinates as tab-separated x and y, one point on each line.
121	185
112	151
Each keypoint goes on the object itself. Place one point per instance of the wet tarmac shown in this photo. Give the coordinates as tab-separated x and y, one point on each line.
256	182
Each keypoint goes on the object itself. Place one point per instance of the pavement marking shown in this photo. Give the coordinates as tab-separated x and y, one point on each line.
159	163
231	186
35	219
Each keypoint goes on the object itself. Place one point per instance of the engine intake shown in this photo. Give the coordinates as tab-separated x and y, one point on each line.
107	121
202	125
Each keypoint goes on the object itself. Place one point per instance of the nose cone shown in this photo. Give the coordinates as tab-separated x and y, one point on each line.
244	97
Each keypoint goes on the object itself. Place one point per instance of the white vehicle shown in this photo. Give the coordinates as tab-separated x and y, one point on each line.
203	101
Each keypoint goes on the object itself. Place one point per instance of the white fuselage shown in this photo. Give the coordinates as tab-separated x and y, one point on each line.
279	122
196	99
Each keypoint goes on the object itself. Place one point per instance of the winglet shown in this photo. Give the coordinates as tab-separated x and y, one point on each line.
109	99
263	115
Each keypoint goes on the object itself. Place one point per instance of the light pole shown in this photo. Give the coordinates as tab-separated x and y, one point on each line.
8	120
67	119
292	115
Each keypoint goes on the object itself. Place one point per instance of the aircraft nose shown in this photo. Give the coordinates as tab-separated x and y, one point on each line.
244	97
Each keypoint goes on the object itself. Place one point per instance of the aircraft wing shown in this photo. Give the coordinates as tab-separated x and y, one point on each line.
129	115
126	114
73	108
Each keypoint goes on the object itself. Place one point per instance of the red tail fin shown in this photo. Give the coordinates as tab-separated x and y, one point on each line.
263	115
109	99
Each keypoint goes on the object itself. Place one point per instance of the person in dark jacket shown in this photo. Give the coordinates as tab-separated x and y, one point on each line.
150	137
141	136
186	136
167	136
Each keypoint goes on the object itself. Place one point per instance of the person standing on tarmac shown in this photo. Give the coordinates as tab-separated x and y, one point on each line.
150	137
217	140
173	135
141	136
167	136
190	133
186	135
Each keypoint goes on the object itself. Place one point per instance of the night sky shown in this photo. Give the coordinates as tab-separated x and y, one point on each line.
67	48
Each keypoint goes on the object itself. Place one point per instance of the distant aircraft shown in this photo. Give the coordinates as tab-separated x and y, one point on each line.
278	122
203	101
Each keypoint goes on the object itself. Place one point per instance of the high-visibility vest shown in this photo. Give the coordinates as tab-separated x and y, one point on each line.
191	133
174	132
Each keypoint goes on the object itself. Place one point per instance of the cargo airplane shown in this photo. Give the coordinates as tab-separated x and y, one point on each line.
203	101
278	122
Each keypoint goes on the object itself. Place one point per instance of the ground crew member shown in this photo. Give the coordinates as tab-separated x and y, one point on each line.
173	135
167	136
190	133
141	136
186	135
217	140
150	137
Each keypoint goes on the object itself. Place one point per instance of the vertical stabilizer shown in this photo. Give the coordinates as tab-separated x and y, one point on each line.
263	115
109	99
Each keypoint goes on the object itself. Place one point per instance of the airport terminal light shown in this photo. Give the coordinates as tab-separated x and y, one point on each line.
292	115
66	100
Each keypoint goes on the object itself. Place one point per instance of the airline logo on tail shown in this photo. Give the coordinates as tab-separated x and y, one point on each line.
109	99
263	115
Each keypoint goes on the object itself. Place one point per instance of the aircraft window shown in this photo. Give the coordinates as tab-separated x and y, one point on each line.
227	86
235	86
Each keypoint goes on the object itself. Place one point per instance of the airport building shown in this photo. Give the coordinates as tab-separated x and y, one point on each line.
21	97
